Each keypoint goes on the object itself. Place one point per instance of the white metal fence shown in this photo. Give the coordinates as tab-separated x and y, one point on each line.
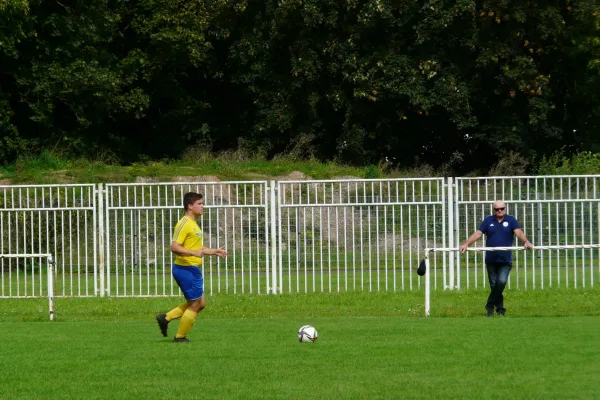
552	210
294	236
341	235
139	222
56	219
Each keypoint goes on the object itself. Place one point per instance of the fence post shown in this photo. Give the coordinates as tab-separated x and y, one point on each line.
50	266
427	284
451	231
101	238
273	206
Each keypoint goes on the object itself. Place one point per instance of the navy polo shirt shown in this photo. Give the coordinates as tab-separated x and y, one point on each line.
499	234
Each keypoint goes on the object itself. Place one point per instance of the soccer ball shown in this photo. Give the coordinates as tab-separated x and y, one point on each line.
307	334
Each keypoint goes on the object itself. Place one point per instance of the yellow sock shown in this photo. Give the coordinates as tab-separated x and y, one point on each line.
177	312
186	323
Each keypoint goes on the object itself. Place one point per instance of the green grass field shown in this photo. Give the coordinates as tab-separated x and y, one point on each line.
371	345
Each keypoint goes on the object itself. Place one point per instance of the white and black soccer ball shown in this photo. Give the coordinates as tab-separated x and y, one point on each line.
307	334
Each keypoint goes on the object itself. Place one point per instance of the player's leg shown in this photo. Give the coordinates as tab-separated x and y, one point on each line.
189	317
502	279
196	302
491	300
164	319
177	312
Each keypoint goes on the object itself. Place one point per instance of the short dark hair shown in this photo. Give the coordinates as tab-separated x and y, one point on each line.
190	198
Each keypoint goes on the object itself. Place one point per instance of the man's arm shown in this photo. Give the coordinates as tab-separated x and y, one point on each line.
472	239
220	252
182	251
519	233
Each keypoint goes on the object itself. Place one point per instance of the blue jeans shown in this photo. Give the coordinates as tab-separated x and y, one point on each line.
497	276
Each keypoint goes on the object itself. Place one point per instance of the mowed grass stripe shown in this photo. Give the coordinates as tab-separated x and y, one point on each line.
552	302
354	357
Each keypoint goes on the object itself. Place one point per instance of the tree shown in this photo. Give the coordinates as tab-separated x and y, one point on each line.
357	81
14	15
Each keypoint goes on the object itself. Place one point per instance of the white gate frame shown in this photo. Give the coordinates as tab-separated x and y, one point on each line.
167	197
51	219
541	204
413	198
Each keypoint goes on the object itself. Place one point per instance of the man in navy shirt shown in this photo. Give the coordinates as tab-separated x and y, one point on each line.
499	229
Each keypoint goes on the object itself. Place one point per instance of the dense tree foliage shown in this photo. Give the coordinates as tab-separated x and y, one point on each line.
436	81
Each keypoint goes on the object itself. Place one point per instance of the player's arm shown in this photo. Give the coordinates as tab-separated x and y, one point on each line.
220	252
519	233
182	251
472	239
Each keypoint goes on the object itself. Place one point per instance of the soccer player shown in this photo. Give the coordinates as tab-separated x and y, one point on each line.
187	246
499	229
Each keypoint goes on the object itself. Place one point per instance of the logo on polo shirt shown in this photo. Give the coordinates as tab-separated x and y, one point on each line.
491	224
505	224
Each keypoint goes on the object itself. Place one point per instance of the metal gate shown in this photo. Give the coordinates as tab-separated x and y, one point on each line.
348	235
139	222
56	219
552	210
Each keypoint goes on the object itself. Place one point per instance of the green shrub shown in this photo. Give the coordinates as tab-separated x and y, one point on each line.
585	163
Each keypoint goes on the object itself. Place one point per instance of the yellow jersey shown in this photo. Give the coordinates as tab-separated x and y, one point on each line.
189	235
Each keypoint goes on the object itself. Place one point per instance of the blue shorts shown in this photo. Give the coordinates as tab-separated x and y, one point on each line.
190	281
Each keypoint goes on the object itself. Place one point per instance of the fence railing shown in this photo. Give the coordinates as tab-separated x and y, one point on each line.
139	226
341	235
56	219
295	236
552	210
